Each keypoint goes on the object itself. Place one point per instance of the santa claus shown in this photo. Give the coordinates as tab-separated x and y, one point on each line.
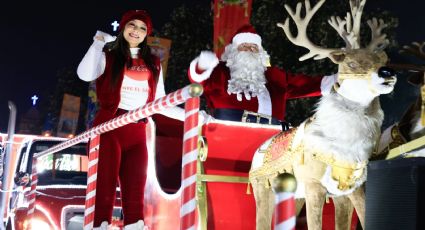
243	87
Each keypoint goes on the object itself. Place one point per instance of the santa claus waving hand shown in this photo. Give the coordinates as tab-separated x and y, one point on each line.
242	86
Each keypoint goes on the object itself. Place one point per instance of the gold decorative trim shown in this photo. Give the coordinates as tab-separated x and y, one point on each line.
257	116
201	196
409	146
346	173
202	179
202	148
397	139
281	137
283	164
341	164
219	178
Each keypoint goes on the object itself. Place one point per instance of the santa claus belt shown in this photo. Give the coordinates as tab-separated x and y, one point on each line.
245	116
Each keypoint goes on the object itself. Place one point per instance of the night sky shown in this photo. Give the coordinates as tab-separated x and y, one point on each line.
39	39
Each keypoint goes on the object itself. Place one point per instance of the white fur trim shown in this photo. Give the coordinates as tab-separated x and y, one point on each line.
327	83
332	186
264	103
103	226
247	38
139	225
198	77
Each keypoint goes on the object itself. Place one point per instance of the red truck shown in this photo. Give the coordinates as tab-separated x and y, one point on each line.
61	187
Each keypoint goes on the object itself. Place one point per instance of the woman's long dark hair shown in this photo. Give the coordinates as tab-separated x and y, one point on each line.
120	48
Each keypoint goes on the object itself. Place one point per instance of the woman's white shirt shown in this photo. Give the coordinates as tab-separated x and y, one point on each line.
93	65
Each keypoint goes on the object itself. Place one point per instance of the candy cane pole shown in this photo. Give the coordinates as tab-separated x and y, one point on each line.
284	186
171	100
31	194
168	101
91	183
190	155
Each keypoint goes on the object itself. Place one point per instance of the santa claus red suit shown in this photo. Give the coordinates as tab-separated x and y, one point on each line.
124	81
242	83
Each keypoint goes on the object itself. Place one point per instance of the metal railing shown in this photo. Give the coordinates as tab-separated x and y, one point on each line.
6	159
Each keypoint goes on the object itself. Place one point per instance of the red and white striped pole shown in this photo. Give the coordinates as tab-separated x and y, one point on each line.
171	100
168	101
284	186
31	194
91	183
189	160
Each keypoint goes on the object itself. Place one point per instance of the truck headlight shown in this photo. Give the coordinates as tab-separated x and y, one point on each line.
35	224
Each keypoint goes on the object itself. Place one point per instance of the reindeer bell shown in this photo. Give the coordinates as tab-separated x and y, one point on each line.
284	182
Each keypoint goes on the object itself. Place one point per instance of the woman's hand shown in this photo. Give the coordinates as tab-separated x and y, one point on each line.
104	37
100	38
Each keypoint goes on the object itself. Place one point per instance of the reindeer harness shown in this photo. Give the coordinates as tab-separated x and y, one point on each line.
280	156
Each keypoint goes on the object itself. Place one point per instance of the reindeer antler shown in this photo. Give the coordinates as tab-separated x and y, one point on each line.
417	49
344	30
356	7
302	39
349	29
378	40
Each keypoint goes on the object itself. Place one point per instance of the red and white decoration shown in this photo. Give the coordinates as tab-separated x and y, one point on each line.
171	100
91	182
189	161
31	194
284	211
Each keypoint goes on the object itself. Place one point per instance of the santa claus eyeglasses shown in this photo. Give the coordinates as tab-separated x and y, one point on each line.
248	47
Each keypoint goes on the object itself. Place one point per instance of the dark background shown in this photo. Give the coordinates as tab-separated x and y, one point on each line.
40	39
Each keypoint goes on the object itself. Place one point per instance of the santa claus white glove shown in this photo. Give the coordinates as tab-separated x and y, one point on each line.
204	117
205	62
105	37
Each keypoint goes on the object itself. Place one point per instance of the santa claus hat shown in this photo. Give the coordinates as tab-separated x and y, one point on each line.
141	15
246	34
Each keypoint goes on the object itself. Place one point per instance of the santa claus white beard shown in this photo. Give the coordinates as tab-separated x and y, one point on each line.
246	74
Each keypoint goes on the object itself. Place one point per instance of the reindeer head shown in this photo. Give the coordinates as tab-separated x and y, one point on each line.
361	72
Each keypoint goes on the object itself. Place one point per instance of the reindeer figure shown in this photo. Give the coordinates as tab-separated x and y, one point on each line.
329	152
412	124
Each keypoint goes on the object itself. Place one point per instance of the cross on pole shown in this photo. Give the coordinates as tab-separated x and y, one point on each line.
34	99
115	25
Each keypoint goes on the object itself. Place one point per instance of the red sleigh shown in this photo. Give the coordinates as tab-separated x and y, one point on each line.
224	197
222	175
220	179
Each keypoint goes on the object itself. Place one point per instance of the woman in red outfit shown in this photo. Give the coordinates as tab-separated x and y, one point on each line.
127	77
